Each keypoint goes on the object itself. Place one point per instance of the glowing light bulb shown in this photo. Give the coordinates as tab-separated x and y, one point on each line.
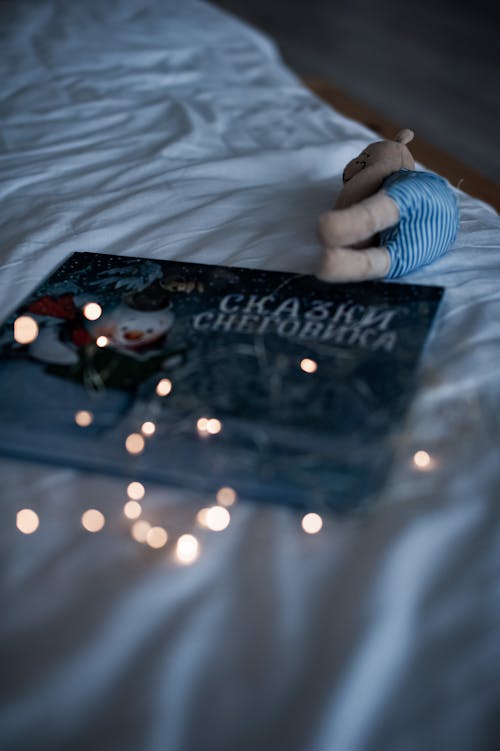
201	517
92	311
217	518
422	460
25	329
93	520
201	425
308	365
27	521
187	549
83	418
214	426
102	341
226	496
132	509
140	530
164	387
136	490
135	443
156	537
148	428
312	523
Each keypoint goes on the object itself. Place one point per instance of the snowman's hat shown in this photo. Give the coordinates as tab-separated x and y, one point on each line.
149	299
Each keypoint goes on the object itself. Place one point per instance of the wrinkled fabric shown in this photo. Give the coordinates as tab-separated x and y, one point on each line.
170	130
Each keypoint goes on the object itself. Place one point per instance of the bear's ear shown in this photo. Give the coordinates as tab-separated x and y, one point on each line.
404	136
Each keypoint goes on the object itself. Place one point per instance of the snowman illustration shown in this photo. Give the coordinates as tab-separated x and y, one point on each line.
139	325
135	344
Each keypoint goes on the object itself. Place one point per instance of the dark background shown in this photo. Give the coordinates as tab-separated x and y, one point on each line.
431	65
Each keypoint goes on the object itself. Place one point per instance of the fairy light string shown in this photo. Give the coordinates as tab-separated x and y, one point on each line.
154	418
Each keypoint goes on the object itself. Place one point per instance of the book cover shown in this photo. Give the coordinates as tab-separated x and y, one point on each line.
289	389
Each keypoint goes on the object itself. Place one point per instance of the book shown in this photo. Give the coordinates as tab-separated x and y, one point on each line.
286	388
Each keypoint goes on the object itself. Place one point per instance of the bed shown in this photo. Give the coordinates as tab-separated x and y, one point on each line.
171	130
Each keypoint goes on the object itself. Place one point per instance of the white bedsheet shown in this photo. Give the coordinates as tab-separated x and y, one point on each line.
170	130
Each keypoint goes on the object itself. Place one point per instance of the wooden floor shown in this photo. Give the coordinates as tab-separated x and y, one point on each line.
429	65
458	173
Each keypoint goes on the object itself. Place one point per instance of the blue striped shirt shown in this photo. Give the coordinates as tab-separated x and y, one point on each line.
428	222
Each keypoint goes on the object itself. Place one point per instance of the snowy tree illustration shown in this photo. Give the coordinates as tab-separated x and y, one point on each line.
129	278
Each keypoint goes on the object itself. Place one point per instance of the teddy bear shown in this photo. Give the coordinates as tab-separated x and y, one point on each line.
389	218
